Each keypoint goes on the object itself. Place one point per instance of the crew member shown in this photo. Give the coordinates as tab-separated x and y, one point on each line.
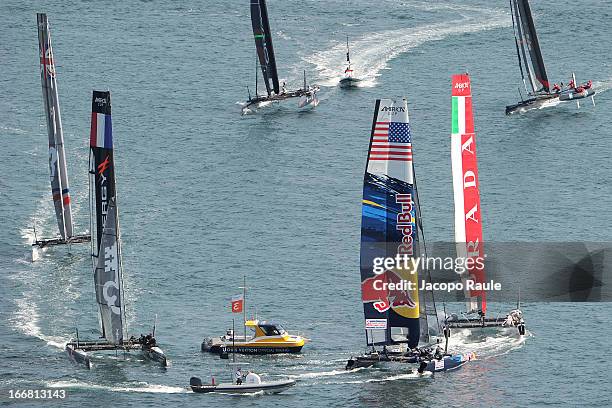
588	85
556	88
283	90
238	376
571	84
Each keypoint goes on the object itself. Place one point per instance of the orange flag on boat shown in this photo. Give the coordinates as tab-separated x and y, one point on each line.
237	304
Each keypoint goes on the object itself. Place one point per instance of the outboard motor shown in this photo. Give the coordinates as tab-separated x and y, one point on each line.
350	364
195	382
521	329
422	367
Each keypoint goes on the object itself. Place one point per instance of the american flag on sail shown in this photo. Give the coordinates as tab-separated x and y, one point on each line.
391	141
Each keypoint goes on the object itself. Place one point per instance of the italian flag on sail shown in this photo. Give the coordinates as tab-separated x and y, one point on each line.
468	225
237	302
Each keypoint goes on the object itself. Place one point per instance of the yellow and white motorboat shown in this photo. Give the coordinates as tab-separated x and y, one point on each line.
267	338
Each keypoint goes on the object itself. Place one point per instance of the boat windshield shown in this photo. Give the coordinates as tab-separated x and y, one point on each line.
272	330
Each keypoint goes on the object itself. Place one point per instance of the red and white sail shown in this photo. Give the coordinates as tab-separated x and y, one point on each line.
468	220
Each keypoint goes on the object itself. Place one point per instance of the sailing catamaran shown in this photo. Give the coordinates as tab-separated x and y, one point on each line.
267	63
531	64
349	79
57	155
402	320
106	247
468	222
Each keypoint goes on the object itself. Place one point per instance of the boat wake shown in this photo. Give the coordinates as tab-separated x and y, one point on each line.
492	344
26	320
139	387
371	53
321	374
602	86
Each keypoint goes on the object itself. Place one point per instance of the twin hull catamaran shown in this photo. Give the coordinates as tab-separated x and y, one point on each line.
402	322
468	220
57	156
267	63
531	64
106	248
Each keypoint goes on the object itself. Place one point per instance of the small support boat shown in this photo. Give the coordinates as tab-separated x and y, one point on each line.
349	79
267	63
57	156
268	338
268	387
531	64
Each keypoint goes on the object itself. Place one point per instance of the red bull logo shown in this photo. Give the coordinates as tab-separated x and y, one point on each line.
405	224
387	290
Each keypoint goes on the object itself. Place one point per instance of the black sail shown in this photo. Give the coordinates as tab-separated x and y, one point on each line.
531	40
263	43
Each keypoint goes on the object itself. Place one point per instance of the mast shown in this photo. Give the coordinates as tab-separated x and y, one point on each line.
348	51
520	40
263	44
57	156
466	187
533	45
389	228
106	241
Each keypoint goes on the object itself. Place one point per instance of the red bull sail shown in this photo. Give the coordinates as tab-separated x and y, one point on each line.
389	229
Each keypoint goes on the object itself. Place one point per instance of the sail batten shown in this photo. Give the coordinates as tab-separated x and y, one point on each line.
466	187
57	157
389	228
106	240
263	44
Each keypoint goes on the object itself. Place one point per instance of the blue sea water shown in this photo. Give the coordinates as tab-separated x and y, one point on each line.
207	196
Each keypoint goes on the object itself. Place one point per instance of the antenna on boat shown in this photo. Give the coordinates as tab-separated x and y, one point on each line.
348	51
154	325
304	80
244	288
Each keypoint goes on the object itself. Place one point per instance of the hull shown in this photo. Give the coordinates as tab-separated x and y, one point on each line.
272	387
572	96
156	354
445	363
307	98
78	356
549	100
533	103
349	82
219	347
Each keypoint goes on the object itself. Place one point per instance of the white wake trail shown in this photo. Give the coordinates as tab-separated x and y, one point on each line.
371	54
